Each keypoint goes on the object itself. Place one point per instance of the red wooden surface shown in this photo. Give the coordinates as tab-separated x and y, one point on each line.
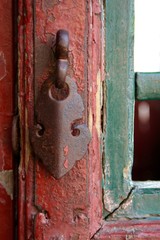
131	229
6	114
71	207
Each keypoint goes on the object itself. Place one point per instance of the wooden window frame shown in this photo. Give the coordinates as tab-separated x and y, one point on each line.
123	198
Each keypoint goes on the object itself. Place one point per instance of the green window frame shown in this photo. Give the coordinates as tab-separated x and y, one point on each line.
124	198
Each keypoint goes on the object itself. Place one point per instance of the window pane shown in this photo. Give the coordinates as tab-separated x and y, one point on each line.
147	36
146	141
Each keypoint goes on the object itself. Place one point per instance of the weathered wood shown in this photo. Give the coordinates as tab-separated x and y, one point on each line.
71	207
131	229
123	198
6	116
148	86
119	103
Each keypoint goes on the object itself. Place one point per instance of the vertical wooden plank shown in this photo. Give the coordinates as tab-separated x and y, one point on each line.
66	207
120	102
6	115
26	208
71	207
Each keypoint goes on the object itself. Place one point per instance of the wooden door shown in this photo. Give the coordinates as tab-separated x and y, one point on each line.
7	81
76	205
69	207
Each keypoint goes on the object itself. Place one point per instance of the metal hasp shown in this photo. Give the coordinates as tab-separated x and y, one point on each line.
56	138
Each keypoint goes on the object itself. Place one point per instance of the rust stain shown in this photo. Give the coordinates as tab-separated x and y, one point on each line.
6	180
3	71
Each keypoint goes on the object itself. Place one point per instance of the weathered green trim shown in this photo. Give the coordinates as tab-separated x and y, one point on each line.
142	203
122	197
120	102
148	86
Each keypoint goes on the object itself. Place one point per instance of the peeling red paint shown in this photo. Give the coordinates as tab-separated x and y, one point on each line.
69	208
66	163
6	115
129	229
6	180
66	149
26	210
72	203
95	66
64	14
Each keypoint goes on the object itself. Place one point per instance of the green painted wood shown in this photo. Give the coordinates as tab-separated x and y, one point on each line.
148	86
122	197
120	102
143	202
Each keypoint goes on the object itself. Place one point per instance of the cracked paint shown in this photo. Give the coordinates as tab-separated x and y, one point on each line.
80	188
3	71
111	204
7	104
98	103
6	180
124	204
126	172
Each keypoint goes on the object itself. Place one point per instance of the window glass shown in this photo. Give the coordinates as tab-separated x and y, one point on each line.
146	141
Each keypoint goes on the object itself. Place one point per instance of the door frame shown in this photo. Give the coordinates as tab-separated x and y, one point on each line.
84	182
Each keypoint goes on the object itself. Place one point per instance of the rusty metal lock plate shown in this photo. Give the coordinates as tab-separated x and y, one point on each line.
55	139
